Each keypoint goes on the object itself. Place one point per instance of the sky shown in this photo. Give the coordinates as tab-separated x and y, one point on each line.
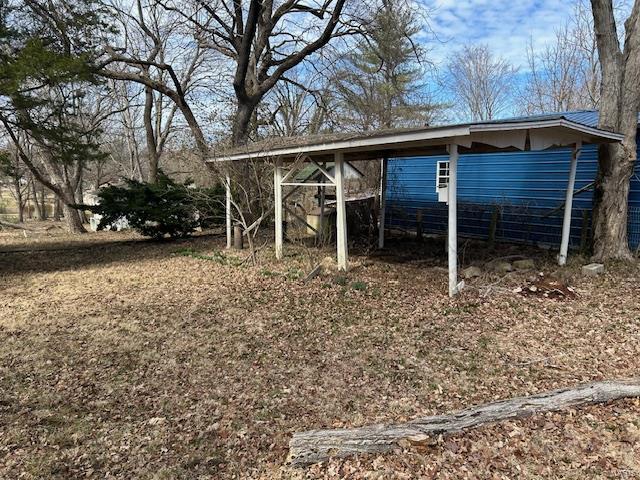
505	25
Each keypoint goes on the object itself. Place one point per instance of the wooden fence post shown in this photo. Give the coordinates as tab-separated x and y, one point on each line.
584	232
493	226
237	237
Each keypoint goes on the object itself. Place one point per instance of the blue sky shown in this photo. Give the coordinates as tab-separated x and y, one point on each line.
505	25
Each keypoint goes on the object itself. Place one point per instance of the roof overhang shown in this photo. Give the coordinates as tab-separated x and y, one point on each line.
521	135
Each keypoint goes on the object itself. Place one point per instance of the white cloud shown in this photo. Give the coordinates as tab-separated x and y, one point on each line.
505	25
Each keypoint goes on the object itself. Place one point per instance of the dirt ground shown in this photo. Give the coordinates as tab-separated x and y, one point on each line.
122	358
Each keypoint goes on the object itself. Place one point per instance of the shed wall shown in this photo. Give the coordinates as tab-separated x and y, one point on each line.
522	187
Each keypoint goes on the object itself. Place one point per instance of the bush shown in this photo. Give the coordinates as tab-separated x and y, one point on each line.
159	209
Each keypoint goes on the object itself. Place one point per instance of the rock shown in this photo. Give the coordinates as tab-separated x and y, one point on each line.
500	266
593	269
524	264
471	272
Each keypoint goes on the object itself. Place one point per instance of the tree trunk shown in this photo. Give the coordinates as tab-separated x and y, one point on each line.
57	207
19	198
242	123
319	445
72	216
619	104
152	148
79	200
201	142
20	211
610	203
43	205
36	203
73	219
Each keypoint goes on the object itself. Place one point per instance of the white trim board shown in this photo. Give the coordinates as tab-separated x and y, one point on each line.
542	133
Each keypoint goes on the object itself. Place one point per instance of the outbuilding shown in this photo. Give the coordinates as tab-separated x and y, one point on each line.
512	196
290	155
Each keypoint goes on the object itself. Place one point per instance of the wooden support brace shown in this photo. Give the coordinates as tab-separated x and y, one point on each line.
294	167
324	171
452	238
568	205
341	214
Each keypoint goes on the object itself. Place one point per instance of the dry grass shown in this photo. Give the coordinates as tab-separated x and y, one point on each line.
167	360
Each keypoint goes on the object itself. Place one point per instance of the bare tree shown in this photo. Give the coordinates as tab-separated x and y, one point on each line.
298	106
564	75
480	83
264	40
14	176
123	141
157	53
619	105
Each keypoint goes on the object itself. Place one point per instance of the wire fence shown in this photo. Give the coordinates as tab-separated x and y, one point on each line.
510	223
633	223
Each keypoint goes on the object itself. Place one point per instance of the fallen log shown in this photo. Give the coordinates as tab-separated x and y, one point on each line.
313	446
22	226
16	226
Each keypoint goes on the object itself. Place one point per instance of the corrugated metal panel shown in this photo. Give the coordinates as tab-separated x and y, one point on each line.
524	187
584	117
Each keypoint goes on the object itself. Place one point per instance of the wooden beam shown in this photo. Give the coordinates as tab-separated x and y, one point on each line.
303	184
383	201
324	171
452	238
228	209
278	203
292	169
341	214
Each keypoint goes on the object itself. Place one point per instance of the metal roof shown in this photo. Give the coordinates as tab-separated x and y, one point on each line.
535	132
583	117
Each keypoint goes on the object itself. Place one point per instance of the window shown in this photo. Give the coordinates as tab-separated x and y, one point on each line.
442	177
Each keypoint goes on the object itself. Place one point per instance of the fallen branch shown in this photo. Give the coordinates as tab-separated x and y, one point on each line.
22	226
252	255
315	271
314	446
17	226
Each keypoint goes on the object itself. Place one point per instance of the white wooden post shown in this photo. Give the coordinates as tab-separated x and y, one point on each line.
228	209
278	207
568	205
452	239
341	213
383	201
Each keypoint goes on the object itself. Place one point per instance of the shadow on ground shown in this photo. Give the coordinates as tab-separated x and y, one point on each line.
64	255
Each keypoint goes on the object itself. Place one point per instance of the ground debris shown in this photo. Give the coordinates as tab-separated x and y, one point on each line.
547	287
97	341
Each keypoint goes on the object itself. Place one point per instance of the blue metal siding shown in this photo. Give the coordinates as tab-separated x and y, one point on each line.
524	186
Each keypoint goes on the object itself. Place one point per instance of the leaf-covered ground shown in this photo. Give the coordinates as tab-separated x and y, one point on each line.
129	359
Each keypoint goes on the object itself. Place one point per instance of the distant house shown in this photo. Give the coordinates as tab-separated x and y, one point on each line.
523	191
